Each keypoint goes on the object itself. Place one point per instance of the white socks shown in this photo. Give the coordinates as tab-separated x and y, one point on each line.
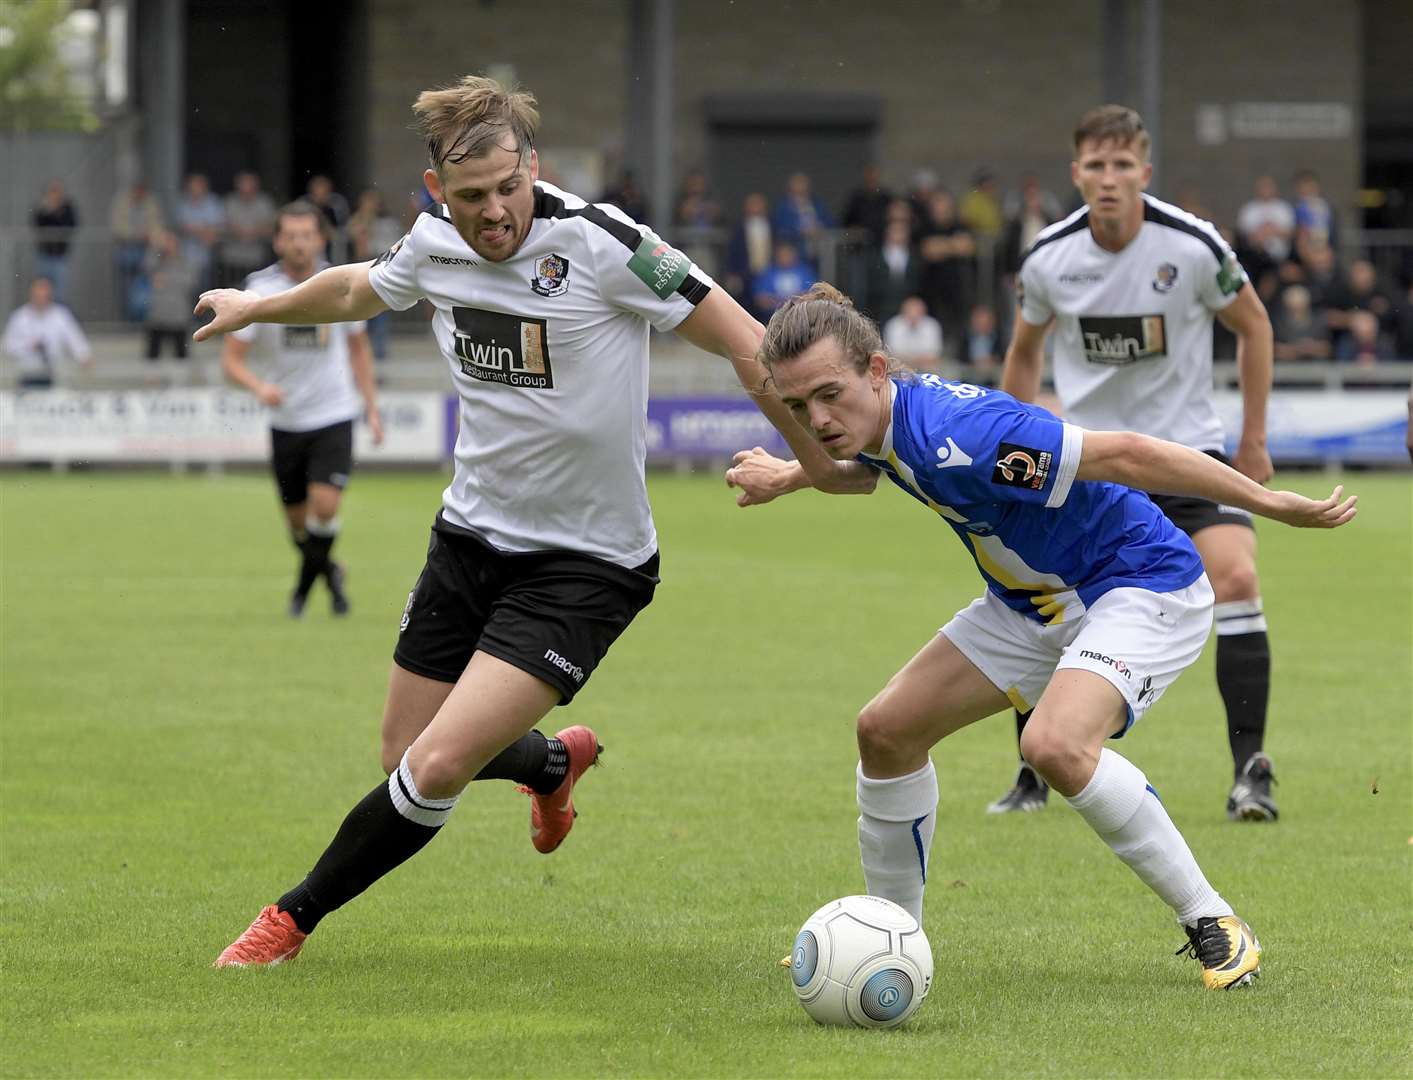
1122	807
896	821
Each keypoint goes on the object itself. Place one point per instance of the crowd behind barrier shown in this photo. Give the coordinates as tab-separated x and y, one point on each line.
937	272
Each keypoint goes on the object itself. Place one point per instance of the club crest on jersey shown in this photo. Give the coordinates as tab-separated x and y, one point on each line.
551	276
1021	466
1166	278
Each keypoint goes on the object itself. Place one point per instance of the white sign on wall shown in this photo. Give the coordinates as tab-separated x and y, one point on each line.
195	426
1273	120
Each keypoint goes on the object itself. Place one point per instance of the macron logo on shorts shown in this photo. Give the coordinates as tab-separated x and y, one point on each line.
574	671
1117	665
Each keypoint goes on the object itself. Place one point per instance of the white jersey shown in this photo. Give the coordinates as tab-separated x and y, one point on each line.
1133	328
548	351
309	363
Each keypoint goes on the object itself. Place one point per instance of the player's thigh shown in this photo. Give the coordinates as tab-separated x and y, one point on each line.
1229	557
936	693
1066	732
411	703
1139	642
330	465
289	462
491	705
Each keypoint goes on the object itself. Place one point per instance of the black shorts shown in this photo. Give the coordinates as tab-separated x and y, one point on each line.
1192	515
301	458
550	613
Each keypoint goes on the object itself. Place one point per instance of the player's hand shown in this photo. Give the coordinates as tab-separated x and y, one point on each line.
375	426
1253	460
761	476
1303	513
271	395
233	309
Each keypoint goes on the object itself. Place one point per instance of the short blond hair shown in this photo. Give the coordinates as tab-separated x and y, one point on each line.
1112	123
467	119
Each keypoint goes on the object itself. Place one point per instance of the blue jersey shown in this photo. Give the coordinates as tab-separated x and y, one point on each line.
1002	474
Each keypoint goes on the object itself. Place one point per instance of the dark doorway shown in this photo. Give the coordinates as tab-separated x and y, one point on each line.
754	144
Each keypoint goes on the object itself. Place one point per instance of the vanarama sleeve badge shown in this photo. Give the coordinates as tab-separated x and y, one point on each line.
551	275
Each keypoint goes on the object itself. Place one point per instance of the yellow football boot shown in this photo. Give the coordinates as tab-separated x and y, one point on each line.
1226	948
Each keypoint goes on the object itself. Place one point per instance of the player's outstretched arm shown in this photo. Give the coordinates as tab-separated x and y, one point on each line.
337	294
1149	464
720	325
760	477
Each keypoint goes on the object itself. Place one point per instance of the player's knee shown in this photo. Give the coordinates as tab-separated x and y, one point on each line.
882	737
439	773
393	749
1237	581
324	505
1051	750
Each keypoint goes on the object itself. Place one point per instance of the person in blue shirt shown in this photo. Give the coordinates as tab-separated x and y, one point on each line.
1094	601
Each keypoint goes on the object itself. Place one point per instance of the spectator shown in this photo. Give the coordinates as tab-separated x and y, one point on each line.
800	217
1266	224
41	335
372	231
1326	284
54	221
1363	344
913	336
982	349
628	196
787	276
202	221
1035	209
134	216
980	208
1300	332
867	206
924	186
748	253
947	251
1364	292
696	209
894	272
321	192
1314	217
250	222
174	286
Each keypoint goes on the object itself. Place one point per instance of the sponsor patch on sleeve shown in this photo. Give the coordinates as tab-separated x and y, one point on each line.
1231	277
660	266
1021	466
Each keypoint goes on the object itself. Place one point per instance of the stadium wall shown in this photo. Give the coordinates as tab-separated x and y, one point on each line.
998	83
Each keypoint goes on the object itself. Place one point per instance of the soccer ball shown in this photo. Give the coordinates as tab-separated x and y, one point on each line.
861	961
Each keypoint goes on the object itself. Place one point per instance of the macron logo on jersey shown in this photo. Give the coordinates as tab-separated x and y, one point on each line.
951	455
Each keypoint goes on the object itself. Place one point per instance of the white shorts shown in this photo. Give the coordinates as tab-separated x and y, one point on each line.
1139	641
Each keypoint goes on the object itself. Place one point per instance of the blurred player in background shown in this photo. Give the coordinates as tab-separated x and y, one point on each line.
321	381
1094	603
544	549
1131	285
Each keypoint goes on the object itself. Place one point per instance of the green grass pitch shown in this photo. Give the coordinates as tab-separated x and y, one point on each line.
176	752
